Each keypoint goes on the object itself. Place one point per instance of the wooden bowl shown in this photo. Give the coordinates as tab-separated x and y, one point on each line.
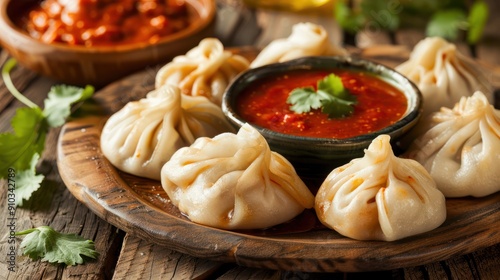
98	66
141	208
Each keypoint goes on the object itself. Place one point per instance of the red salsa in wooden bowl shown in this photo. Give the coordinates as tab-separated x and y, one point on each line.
379	104
103	22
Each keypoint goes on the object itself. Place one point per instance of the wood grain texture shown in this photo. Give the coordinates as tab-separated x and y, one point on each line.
140	207
144	260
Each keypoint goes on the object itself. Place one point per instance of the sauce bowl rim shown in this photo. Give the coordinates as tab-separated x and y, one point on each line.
407	87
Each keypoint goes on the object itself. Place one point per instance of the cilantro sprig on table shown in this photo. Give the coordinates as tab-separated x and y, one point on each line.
21	148
49	245
331	96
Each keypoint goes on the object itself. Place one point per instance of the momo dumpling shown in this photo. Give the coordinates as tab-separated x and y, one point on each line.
380	197
443	74
234	181
144	134
461	148
306	39
205	70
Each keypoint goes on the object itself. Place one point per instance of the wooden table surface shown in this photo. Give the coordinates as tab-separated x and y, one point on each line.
123	256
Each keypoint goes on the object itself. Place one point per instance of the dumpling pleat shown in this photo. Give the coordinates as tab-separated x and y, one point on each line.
234	181
463	159
141	137
380	196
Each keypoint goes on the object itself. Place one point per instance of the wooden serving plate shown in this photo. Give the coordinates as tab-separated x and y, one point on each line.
140	207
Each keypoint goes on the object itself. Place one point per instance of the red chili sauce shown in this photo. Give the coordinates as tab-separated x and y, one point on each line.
103	22
379	105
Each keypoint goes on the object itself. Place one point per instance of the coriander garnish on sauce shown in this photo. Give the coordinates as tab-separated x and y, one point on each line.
331	96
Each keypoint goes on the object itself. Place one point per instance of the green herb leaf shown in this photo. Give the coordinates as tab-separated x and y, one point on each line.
28	138
478	16
304	99
54	247
336	107
30	126
447	24
331	97
60	98
333	85
347	19
27	182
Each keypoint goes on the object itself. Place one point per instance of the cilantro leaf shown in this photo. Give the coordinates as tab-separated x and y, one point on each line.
30	126
27	182
331	97
60	98
478	16
349	20
447	24
303	100
54	247
28	138
337	107
331	83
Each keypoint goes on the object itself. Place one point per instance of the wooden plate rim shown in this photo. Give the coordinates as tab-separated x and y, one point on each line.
108	195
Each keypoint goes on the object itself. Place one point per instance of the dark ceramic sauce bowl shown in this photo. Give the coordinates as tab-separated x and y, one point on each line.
314	158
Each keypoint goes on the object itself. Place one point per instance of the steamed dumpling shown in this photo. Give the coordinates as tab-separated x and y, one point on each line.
461	149
442	74
306	39
234	181
143	135
205	70
380	197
